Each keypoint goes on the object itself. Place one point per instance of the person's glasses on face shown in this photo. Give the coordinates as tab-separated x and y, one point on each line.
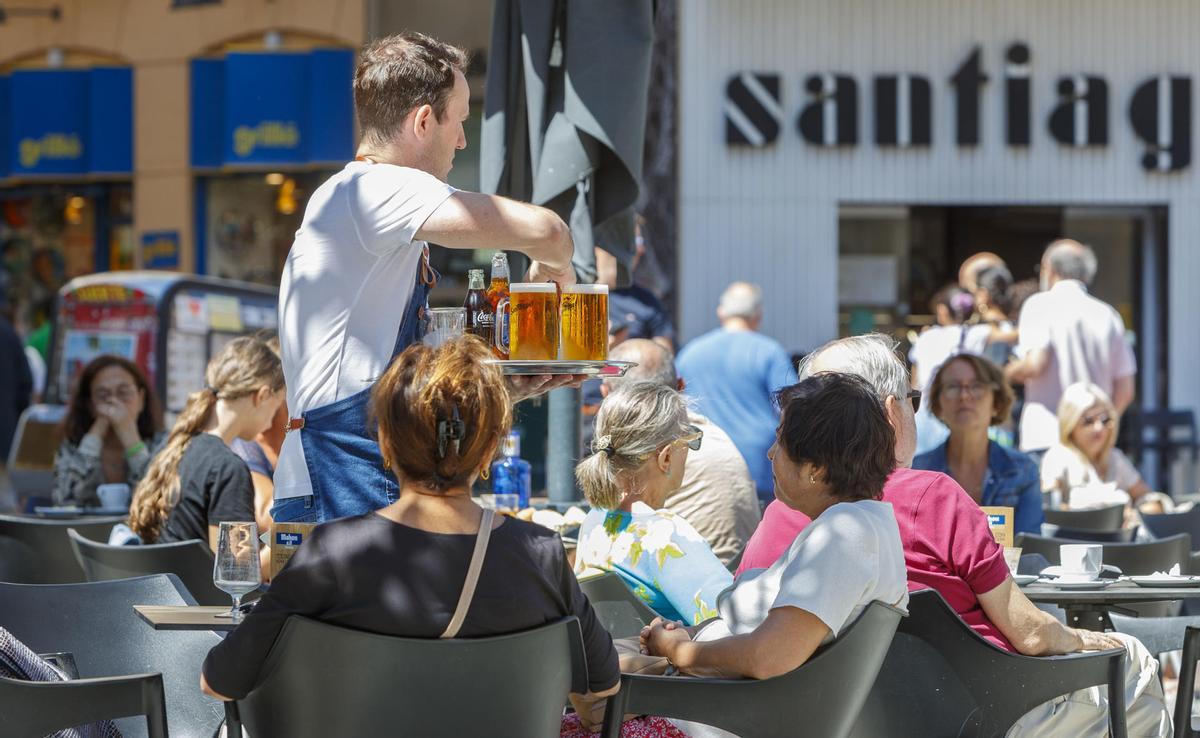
124	393
956	390
692	438
1103	419
914	396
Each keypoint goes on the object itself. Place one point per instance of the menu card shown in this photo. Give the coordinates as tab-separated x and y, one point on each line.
285	539
1001	521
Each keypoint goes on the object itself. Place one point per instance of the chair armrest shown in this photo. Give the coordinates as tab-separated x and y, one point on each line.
40	708
678	697
1187	681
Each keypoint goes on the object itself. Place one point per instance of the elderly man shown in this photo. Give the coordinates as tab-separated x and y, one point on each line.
949	547
733	373
1067	336
717	494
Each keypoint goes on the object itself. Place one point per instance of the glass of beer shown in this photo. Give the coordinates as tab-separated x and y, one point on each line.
584	322
532	321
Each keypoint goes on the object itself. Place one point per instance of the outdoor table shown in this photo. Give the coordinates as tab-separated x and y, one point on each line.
185	617
1089	609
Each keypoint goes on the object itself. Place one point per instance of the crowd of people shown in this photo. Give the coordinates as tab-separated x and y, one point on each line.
757	506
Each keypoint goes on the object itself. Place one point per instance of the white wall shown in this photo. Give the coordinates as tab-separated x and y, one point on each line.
769	214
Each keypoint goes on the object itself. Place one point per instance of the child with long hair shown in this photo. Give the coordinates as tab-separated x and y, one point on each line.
196	481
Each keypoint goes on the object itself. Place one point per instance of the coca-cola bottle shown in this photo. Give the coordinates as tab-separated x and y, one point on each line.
481	316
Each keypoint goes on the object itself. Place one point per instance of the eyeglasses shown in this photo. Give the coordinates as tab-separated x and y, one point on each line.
956	391
915	397
124	392
1103	419
693	437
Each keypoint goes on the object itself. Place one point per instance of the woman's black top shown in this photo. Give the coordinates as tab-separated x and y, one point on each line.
373	574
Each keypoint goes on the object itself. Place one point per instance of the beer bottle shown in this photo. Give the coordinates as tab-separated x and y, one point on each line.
497	291
481	316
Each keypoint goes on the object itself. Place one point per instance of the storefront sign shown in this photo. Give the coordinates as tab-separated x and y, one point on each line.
160	250
66	121
1159	109
273	108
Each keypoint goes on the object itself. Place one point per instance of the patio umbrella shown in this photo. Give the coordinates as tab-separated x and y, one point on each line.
564	122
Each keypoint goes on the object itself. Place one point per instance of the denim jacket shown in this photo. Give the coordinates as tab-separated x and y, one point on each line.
1012	480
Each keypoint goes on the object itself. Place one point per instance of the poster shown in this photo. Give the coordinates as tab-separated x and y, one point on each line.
81	346
225	313
186	362
191	313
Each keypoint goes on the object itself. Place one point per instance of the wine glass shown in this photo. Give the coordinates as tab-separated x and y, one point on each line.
236	570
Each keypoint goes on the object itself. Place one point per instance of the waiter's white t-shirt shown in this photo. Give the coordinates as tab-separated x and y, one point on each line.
345	285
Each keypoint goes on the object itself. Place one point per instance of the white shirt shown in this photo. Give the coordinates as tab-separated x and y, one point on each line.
346	282
1085	338
1085	486
848	557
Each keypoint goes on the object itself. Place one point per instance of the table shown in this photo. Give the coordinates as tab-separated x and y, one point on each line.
1089	609
185	617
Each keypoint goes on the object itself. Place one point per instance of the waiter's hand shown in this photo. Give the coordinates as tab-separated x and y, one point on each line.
523	387
539	271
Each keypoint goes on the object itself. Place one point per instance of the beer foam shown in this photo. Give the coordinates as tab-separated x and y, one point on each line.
532	287
586	289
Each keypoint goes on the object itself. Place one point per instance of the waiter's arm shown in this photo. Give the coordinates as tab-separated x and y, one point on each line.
469	220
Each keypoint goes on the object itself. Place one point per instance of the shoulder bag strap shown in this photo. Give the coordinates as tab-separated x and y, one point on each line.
468	590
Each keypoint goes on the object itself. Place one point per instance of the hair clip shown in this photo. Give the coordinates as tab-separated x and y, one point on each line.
450	432
604	443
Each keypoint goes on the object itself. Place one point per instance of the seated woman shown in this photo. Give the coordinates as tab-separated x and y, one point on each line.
196	482
969	394
640	450
1085	468
111	430
399	571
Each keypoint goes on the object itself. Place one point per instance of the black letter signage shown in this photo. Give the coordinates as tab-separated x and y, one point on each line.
967	83
752	112
1081	118
1161	115
903	111
831	119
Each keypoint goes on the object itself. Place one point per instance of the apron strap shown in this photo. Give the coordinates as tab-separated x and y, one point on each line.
468	590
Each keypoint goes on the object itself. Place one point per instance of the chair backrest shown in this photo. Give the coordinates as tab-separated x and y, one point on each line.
325	680
95	622
1171	524
1130	558
619	610
942	678
822	697
191	561
1120	535
31	457
36	551
1100	518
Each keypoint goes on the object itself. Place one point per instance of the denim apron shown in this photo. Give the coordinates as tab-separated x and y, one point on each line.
341	452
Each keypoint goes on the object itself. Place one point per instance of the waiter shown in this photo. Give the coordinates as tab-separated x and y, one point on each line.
355	283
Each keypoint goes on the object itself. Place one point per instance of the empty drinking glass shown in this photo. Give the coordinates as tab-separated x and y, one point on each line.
236	570
445	324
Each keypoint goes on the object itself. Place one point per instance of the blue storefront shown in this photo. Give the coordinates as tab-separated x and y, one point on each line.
66	162
267	129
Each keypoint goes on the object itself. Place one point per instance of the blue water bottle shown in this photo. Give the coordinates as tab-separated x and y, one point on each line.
512	475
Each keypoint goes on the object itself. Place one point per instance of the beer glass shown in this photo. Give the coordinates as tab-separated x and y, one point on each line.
444	325
236	568
584	322
532	321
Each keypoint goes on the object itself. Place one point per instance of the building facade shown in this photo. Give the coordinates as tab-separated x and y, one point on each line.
848	156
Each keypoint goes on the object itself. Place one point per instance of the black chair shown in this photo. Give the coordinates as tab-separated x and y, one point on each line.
191	561
619	610
36	551
1187	683
35	709
941	678
820	698
1173	431
1119	535
95	622
1130	558
1162	635
1098	519
323	680
1170	524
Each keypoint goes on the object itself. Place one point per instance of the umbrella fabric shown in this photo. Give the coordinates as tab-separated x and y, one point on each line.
565	114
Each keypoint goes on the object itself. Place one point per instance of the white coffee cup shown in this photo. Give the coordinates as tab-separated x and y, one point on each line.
1081	562
116	495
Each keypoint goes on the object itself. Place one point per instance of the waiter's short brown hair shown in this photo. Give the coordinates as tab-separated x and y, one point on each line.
449	391
398	73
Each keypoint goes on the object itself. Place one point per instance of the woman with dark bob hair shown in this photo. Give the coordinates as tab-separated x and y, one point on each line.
833	451
970	395
442	414
111	431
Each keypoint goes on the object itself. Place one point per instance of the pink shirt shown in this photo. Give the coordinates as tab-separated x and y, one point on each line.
948	545
1085	338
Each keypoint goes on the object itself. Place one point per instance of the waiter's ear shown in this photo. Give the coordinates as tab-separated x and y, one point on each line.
423	119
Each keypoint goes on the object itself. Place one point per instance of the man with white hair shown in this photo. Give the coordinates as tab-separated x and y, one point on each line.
733	373
949	547
1067	336
717	494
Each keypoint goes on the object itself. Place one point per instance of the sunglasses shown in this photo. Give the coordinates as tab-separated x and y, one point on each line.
693	437
915	397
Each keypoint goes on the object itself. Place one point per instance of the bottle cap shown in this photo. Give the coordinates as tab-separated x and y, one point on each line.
499	265
475	279
512	444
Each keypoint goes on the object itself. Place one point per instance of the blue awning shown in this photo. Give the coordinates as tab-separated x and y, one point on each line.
256	110
66	122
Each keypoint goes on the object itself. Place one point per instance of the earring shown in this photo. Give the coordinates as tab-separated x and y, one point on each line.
812	479
485	473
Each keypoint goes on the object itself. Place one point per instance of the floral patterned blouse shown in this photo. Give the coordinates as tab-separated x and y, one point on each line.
660	556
